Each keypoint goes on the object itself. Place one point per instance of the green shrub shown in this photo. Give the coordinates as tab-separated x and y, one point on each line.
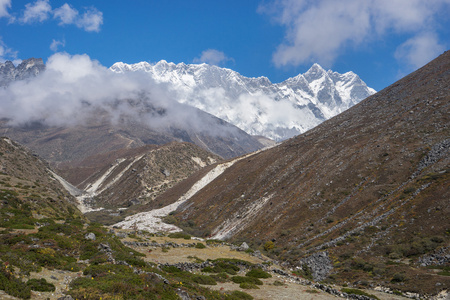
12	285
220	277
221	267
200	246
170	269
258	273
180	235
204	279
238	295
358	292
269	245
241	279
247	285
40	285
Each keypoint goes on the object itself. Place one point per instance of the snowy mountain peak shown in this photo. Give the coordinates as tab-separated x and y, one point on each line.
314	73
257	106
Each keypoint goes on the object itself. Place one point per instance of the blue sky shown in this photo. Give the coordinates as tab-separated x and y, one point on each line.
380	40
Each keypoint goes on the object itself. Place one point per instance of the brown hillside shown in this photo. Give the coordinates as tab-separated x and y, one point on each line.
29	186
370	186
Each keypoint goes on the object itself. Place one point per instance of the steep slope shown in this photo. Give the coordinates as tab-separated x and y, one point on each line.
277	111
27	183
370	185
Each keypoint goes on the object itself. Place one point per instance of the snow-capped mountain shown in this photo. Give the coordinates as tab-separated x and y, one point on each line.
257	106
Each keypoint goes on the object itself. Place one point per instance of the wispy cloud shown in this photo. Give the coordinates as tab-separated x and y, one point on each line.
41	10
7	53
212	57
54	46
38	11
419	50
320	30
4	6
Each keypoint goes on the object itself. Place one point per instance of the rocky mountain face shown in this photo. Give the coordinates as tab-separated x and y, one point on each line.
257	106
361	199
26	69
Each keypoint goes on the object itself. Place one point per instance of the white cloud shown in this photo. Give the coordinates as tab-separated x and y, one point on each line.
90	20
318	31
39	11
56	44
4	6
212	57
75	88
66	14
419	50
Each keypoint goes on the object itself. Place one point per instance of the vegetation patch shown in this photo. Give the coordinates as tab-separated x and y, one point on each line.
358	292
204	279
258	273
180	235
238	295
248	285
242	279
200	246
40	285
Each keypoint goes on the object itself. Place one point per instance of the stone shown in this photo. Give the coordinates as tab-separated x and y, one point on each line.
90	236
243	247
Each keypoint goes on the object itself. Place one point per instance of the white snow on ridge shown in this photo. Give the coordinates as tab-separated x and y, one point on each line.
255	105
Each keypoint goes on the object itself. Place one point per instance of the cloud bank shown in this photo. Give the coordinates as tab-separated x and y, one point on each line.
320	30
75	89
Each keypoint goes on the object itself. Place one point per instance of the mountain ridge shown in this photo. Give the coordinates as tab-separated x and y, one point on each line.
26	69
305	101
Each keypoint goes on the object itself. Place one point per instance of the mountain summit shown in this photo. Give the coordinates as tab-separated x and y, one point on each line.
26	69
257	106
